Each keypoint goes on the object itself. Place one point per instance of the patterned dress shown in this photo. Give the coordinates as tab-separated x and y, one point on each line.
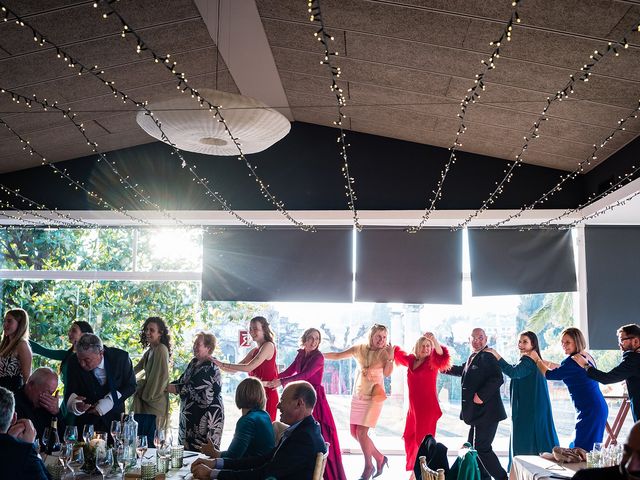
201	408
10	373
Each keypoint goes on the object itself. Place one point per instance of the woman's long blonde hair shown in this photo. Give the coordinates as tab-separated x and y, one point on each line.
7	345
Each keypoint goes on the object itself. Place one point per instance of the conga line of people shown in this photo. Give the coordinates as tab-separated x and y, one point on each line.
99	379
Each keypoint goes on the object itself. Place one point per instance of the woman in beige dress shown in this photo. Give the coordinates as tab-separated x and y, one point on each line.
375	360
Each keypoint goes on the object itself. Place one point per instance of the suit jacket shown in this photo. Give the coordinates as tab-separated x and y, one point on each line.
20	460
484	377
120	377
629	370
293	459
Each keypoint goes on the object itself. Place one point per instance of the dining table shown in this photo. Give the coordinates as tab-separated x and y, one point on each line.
535	467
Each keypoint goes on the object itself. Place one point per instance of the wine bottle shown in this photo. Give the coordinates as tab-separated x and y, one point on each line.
53	439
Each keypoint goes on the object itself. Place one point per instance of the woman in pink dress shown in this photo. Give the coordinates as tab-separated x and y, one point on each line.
428	358
260	362
309	365
375	360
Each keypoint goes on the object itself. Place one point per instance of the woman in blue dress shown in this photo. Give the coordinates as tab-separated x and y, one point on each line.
586	395
533	431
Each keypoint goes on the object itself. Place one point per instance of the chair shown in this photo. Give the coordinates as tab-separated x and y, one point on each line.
321	463
427	473
278	430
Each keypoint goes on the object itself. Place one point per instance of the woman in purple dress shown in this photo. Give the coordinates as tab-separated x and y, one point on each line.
309	365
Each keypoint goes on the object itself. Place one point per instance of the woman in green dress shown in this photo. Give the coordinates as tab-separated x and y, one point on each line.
533	430
76	330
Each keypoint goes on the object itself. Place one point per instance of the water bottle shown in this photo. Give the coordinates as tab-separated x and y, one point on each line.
129	439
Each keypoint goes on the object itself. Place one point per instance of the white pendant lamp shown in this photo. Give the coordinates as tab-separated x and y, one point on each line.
256	126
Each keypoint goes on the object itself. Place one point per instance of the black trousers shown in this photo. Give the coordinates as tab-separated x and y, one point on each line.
481	437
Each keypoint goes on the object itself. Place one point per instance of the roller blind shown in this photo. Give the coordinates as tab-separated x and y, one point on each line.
395	266
278	265
514	262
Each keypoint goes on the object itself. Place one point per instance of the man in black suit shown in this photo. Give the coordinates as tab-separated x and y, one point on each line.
628	370
629	468
36	401
293	458
100	379
482	406
18	456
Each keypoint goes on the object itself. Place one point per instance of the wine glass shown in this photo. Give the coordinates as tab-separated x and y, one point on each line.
142	447
87	433
70	434
77	459
119	453
104	461
160	439
116	430
45	437
66	452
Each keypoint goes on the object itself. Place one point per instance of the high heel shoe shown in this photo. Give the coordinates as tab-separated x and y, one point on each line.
385	463
367	476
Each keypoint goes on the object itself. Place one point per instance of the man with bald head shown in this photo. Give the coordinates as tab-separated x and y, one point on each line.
629	468
38	401
482	407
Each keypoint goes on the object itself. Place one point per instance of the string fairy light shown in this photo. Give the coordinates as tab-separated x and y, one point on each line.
117	93
606	209
473	94
315	16
72	182
137	192
184	87
575	173
534	132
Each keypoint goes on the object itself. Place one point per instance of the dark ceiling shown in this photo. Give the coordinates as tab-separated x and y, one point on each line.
406	65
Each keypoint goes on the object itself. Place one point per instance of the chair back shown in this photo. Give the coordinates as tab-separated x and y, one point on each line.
427	473
321	463
278	430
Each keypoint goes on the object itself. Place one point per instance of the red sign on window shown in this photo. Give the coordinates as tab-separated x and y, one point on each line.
244	339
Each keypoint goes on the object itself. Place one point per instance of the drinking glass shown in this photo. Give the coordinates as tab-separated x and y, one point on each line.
45	437
104	461
77	460
70	434
66	452
142	447
160	439
116	431
119	453
87	433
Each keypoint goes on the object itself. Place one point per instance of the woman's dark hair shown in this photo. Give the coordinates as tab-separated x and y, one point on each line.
268	333
533	338
85	327
165	336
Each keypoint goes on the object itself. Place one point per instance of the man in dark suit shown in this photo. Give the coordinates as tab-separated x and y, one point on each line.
36	401
482	407
18	456
628	370
629	468
293	458
100	379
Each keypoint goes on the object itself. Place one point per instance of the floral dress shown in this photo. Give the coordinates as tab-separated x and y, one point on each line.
201	408
11	373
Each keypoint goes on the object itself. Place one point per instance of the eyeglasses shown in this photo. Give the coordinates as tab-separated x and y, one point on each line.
622	340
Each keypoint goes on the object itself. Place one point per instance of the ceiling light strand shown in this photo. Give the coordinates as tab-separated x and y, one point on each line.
582	75
72	182
575	173
315	16
99	74
184	87
473	94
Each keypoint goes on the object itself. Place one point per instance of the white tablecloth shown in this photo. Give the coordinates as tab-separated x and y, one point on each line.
533	467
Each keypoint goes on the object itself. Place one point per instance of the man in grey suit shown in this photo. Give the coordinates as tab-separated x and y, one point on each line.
482	407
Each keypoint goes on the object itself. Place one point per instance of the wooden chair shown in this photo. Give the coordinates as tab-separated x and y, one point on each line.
278	430
427	473
321	463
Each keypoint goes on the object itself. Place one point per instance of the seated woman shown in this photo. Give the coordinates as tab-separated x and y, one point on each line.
254	433
199	387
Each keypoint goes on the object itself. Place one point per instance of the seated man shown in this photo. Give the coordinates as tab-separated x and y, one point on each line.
629	468
17	454
293	458
35	400
100	379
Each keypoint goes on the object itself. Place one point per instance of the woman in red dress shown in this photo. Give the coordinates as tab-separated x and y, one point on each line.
309	365
428	358
260	362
